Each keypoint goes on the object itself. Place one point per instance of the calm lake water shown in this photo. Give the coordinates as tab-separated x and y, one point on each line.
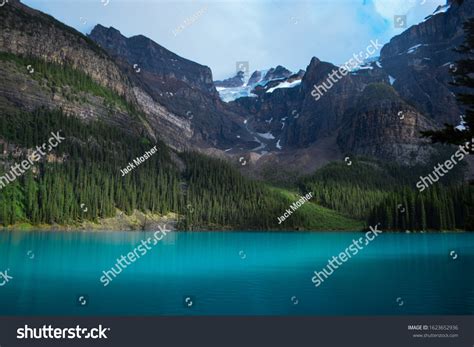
236	273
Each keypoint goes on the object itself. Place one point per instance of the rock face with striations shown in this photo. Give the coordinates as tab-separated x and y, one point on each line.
382	125
24	31
183	87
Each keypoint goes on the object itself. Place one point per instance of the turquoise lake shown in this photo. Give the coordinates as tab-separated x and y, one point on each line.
236	273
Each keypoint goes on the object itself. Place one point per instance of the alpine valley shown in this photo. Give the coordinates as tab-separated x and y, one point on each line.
230	154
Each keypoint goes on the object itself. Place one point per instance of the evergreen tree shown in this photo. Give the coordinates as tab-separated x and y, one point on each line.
463	77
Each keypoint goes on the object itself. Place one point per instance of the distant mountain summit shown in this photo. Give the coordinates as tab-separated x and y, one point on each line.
233	82
279	72
261	81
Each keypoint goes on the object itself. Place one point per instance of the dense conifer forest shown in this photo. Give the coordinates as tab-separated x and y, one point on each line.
85	169
384	193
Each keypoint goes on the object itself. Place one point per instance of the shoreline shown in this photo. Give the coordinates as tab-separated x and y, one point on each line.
101	228
146	222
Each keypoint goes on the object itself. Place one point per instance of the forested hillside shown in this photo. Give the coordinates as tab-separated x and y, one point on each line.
384	193
85	169
218	195
207	193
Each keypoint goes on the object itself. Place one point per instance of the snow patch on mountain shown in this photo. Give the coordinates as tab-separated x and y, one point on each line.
413	49
285	84
231	94
267	136
278	145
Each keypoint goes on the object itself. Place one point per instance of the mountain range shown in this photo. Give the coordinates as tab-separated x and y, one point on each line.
272	118
268	120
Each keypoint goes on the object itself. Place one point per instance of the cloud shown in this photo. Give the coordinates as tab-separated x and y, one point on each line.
415	10
265	33
388	8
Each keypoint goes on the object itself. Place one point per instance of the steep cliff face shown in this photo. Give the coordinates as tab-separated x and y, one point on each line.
419	61
320	117
24	31
183	87
382	125
21	90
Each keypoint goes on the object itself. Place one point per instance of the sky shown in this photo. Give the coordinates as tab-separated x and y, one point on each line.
264	33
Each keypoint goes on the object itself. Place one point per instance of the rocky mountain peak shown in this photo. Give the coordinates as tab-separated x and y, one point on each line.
237	81
255	77
277	73
316	71
144	53
99	29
